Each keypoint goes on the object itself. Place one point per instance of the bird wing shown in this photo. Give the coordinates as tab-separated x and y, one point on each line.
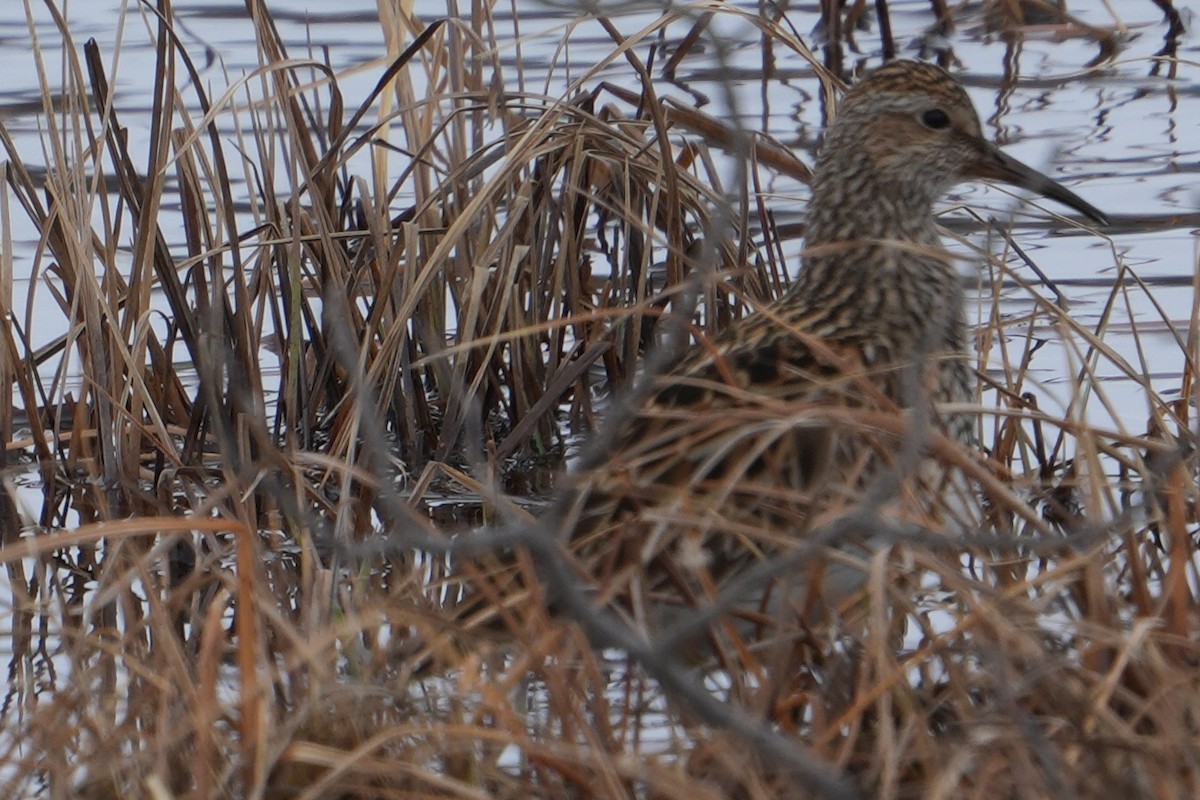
731	458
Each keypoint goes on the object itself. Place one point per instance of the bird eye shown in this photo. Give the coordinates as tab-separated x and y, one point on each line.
936	118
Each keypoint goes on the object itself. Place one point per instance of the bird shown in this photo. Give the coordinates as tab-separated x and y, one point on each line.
775	426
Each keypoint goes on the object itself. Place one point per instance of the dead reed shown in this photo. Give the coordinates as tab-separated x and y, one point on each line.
306	346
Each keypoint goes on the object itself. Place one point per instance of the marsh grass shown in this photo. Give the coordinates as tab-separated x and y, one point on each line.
274	415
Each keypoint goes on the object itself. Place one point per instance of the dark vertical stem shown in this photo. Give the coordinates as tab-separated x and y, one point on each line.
832	19
1175	30
885	30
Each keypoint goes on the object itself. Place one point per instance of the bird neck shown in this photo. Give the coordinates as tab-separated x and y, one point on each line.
874	266
851	202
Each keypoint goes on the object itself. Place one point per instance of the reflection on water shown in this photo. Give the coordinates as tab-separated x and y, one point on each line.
1119	135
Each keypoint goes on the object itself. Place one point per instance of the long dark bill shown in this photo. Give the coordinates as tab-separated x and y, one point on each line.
998	165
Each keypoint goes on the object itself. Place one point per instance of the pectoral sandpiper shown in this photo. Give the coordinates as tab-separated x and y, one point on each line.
757	436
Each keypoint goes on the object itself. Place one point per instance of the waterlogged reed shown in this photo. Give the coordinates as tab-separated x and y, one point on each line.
271	418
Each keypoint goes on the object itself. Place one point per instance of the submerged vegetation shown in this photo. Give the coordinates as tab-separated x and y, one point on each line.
320	364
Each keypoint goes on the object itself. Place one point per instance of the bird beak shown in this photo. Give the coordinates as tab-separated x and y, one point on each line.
999	166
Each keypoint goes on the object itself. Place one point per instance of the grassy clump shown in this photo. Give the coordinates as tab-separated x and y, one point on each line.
273	409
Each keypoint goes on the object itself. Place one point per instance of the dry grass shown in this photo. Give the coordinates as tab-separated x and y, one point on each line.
237	582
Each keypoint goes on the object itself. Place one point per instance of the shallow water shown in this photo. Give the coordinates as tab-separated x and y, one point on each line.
1124	137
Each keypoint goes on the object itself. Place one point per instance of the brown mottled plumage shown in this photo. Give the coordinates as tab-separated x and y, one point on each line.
772	428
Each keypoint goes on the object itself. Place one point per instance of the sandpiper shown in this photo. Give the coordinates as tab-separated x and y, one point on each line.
760	435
